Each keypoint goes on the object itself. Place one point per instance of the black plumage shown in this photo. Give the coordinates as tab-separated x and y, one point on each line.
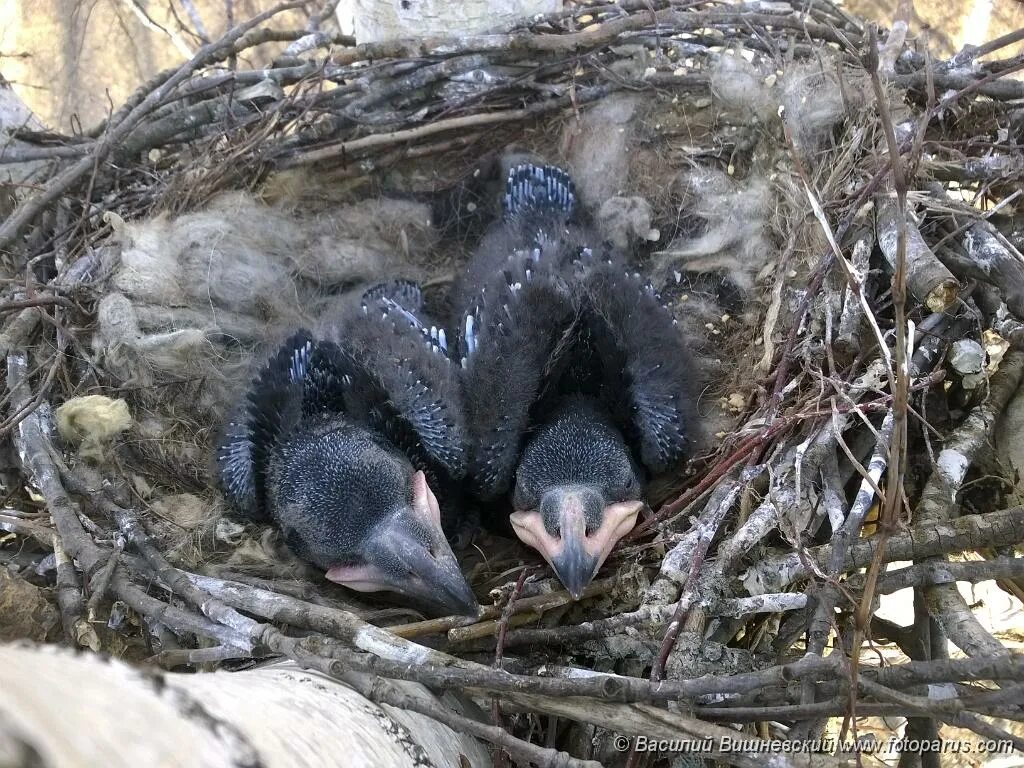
339	440
577	382
539	211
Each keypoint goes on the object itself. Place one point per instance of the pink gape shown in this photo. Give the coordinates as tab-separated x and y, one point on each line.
426	569
574	555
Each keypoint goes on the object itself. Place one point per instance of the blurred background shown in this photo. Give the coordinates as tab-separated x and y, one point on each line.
72	61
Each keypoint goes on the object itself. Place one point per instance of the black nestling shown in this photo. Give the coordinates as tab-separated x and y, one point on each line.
577	382
335	441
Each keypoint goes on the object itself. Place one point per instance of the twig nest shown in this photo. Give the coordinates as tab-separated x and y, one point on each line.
928	280
996	264
92	421
1009	445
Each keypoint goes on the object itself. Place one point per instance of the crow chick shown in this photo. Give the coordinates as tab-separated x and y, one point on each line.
577	382
335	441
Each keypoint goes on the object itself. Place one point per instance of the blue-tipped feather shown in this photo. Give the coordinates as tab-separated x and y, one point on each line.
539	189
235	467
388	307
405	293
272	407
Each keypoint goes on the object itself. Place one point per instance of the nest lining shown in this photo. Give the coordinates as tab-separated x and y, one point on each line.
743	155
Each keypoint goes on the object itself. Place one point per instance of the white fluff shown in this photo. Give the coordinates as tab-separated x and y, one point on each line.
733	236
191	299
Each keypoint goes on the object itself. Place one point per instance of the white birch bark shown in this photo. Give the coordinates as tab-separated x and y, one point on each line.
373	21
14	115
86	710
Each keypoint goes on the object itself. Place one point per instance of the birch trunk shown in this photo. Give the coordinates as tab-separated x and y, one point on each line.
14	115
373	21
84	710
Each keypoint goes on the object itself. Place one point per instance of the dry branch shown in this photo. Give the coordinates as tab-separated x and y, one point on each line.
962	534
928	280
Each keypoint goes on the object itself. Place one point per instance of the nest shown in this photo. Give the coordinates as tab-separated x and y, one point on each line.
828	211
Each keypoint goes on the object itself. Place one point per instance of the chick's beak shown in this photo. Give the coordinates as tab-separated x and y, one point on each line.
574	554
409	554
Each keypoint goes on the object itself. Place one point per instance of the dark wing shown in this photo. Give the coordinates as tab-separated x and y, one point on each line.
507	338
649	375
404	299
539	210
539	203
235	471
272	406
404	384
